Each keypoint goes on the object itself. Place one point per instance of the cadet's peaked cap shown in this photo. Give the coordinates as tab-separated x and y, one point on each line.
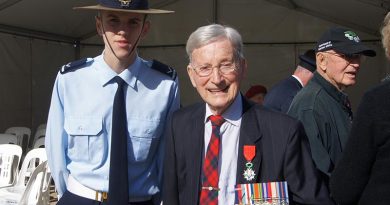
131	6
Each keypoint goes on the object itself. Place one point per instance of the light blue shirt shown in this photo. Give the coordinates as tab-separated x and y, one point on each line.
228	152
78	135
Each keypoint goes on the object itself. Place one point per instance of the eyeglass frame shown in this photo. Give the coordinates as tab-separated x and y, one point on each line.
233	67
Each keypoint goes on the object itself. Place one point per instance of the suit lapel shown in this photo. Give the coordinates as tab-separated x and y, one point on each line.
250	134
198	149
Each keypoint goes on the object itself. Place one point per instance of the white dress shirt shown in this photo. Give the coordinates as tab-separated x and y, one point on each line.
228	152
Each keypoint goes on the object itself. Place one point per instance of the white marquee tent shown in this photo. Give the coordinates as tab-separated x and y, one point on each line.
38	36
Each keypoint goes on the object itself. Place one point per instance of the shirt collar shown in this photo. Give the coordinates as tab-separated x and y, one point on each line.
129	75
232	114
330	89
299	80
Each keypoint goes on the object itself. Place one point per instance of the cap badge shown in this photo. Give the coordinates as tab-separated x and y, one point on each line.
125	3
352	36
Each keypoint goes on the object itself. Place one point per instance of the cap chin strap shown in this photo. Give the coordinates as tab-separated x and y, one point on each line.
133	47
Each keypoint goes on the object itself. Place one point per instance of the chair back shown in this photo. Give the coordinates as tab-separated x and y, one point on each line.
22	133
35	187
39	134
41	126
10	156
8	139
39	143
32	159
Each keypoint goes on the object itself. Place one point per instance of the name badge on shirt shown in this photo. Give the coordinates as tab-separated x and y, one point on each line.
249	154
268	193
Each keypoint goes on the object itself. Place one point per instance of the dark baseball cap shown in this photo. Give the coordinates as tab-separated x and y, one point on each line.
343	41
308	60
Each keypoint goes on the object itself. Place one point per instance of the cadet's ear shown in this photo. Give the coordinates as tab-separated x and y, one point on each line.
99	27
145	29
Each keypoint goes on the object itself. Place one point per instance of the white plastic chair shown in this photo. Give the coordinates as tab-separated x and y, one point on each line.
39	134
8	139
41	126
22	133
39	143
32	194
31	160
10	156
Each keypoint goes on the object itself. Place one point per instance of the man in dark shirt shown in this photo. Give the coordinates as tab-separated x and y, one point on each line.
322	106
282	94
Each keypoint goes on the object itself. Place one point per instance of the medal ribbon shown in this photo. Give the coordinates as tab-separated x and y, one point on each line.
249	152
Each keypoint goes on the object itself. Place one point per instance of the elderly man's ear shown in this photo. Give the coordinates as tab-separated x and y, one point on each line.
191	74
321	61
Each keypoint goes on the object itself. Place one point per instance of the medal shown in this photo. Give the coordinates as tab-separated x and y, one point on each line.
249	154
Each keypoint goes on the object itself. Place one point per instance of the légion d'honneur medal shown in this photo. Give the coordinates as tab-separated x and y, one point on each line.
249	154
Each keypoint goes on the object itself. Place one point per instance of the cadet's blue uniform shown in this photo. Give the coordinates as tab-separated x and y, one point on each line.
78	133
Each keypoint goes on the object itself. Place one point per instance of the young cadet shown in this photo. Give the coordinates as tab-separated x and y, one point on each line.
107	115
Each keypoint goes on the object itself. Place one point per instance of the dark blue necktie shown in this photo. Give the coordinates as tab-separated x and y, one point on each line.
118	190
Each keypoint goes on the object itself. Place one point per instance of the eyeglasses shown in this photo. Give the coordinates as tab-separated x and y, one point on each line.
349	57
206	70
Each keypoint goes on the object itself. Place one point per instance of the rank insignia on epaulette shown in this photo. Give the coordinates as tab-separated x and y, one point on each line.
72	66
164	69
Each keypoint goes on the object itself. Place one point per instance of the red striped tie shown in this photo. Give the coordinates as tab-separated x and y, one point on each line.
209	194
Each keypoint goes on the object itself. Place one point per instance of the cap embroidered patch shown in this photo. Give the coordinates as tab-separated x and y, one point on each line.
352	36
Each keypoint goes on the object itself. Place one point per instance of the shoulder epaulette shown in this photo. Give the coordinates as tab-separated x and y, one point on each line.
167	70
72	66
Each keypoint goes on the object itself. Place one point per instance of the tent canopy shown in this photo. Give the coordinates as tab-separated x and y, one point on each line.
37	37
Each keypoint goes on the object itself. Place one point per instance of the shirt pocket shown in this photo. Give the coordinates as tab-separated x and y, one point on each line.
144	138
85	142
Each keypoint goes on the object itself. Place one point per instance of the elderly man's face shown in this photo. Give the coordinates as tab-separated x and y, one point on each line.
218	90
339	69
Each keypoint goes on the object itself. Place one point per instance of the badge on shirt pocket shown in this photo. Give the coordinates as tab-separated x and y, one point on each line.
275	193
84	142
144	138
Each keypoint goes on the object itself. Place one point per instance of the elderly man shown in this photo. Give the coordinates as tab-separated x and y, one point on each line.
213	146
282	94
322	106
104	136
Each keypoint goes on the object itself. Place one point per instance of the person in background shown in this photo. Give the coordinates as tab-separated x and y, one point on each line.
256	93
362	174
322	105
280	96
227	140
104	136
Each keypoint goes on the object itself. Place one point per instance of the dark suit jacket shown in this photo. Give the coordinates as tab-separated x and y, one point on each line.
280	96
282	154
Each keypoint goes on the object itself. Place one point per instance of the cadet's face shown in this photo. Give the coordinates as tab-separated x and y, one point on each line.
217	90
122	30
340	70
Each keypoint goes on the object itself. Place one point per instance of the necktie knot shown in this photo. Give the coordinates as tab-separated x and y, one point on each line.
216	120
119	81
